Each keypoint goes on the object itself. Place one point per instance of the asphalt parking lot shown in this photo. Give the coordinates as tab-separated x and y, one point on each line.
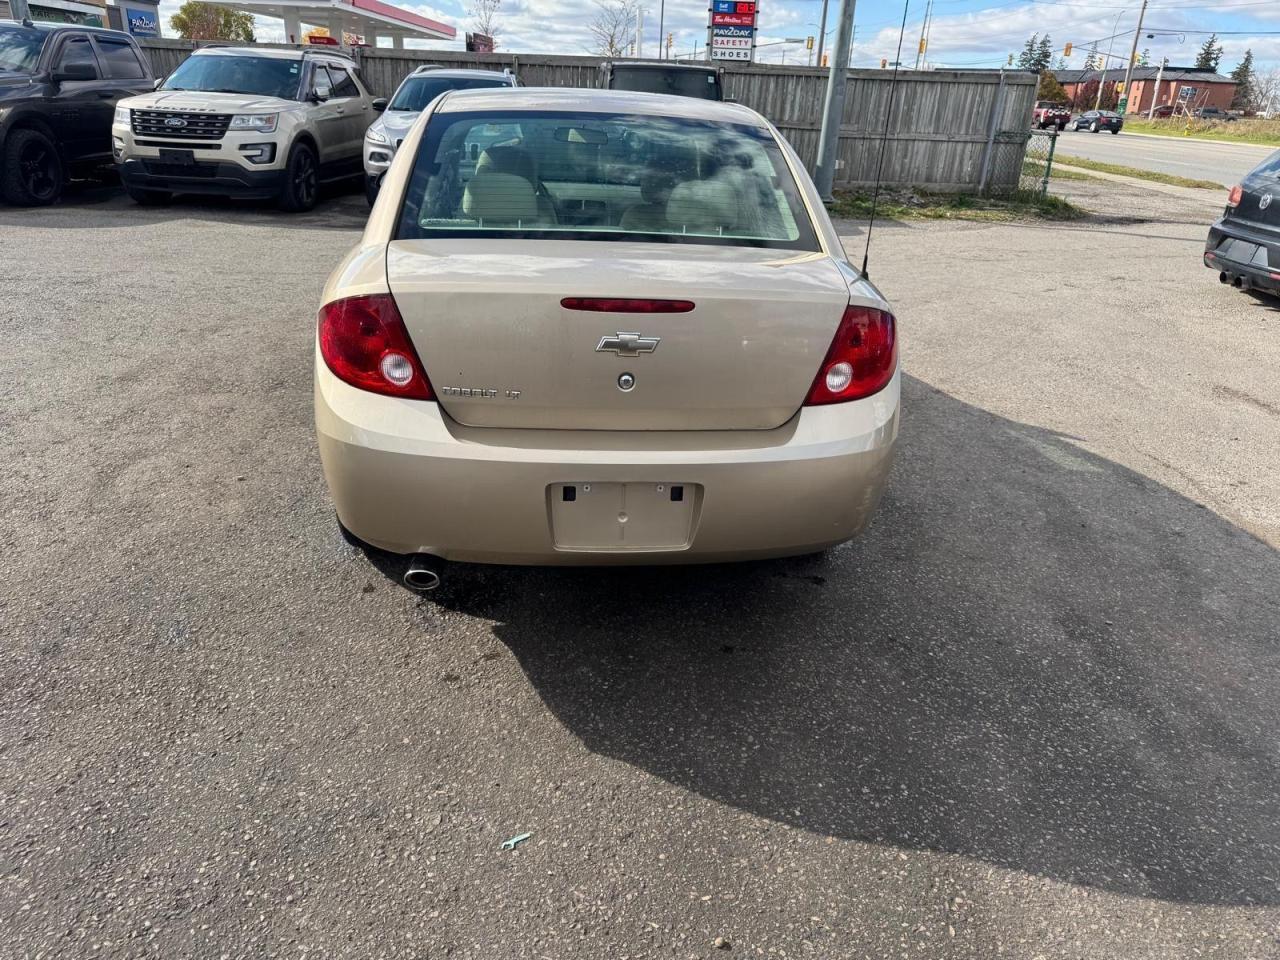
1033	713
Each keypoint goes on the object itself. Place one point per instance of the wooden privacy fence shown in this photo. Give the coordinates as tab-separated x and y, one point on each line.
948	130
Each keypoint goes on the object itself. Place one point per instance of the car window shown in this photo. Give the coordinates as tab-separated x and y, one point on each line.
321	83
416	92
221	73
683	83
594	176
76	50
343	85
119	62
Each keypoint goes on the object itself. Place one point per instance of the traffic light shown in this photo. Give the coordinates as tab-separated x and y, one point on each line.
808	43
1066	51
824	59
884	62
671	38
1010	60
923	43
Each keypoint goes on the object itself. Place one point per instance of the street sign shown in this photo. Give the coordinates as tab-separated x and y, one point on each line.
731	29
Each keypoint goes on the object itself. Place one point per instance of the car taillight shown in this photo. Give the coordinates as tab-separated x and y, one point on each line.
364	342
862	358
1233	198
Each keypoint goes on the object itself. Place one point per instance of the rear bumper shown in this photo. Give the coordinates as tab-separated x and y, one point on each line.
406	478
218	178
1250	254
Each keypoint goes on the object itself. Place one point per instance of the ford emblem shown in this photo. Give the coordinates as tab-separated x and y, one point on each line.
1264	202
175	122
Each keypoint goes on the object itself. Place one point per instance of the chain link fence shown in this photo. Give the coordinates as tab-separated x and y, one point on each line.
1020	163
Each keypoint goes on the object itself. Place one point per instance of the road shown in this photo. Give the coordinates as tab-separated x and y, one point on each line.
1197	159
1033	712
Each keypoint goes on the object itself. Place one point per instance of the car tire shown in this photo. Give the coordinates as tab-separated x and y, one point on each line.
1114	132
148	198
1062	127
301	180
1093	127
371	185
33	173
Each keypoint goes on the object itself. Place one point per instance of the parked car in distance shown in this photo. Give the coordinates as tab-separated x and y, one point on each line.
415	92
245	122
1244	243
664	76
1213	113
530	358
1098	120
1162	112
1049	114
59	85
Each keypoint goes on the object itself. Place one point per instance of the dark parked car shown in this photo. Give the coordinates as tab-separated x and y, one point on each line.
651	76
1095	120
1213	113
1244	245
59	84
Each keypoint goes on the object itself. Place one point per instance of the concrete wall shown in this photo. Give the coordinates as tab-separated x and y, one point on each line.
937	131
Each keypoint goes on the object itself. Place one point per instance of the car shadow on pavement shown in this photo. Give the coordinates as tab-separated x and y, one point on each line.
1034	657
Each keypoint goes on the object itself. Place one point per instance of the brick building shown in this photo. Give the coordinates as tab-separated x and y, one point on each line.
1195	88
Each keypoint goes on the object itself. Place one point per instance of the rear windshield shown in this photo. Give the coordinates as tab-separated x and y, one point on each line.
260	76
593	176
1269	167
416	92
682	83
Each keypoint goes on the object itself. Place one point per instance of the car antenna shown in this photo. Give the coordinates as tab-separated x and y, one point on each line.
884	137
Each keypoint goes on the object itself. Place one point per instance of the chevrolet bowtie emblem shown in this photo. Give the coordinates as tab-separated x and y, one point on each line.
627	344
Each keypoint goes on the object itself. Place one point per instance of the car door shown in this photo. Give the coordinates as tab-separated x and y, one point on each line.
354	112
81	114
124	73
329	120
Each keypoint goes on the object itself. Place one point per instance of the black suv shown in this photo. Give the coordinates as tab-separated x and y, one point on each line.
679	79
59	84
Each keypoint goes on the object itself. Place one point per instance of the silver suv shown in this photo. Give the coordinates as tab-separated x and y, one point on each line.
411	98
245	122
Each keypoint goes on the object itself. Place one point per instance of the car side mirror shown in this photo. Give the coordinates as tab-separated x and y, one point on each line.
158	83
75	72
318	97
380	104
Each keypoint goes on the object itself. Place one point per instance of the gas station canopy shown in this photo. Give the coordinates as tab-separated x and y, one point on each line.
369	19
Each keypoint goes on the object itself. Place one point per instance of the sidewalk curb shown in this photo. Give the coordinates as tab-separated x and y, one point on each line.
1177	139
1190	193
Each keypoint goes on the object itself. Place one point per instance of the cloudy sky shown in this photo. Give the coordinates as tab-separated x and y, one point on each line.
964	33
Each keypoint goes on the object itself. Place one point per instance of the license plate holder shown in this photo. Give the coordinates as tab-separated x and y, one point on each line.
182	158
621	517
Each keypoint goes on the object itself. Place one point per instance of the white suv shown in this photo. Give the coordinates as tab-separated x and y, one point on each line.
245	122
411	98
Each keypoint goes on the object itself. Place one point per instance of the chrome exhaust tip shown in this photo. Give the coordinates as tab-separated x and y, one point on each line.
1223	278
1237	282
419	575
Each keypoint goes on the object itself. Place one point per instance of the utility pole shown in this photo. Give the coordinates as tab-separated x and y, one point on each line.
822	32
1123	106
662	15
924	35
1151	111
19	10
833	106
639	33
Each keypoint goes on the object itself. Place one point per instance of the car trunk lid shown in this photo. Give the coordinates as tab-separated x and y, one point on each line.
487	319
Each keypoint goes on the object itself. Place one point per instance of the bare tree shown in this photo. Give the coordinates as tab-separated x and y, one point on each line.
1266	92
484	16
614	26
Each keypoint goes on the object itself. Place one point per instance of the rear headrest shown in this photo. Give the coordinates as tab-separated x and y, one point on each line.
500	198
703	205
507	158
656	186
